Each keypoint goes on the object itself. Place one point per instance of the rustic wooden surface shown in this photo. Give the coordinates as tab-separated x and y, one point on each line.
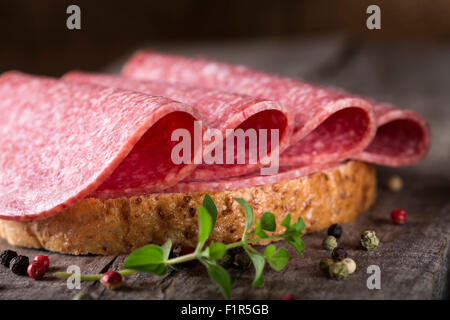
413	258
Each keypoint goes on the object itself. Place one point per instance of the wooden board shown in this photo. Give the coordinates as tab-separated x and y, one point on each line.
413	258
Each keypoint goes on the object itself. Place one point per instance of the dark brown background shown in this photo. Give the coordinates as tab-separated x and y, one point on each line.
34	37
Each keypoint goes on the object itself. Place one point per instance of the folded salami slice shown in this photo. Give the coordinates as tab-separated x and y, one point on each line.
347	121
61	141
402	136
220	110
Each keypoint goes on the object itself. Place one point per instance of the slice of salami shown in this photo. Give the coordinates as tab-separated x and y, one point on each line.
220	110
60	141
402	137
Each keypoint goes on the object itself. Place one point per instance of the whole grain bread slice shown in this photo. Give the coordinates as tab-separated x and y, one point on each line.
119	226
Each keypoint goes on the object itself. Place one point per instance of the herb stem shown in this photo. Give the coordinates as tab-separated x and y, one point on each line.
126	272
92	277
241	243
86	277
277	236
234	245
180	259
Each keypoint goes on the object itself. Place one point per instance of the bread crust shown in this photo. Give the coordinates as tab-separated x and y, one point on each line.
119	226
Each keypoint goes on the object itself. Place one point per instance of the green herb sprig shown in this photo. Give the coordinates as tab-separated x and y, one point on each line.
156	259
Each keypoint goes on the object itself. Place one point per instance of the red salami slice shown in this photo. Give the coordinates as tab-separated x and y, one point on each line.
221	111
60	141
402	137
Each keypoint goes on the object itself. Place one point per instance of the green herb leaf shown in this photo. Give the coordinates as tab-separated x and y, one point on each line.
258	263
248	214
149	259
205	225
286	221
270	250
221	277
209	205
259	232
268	221
276	259
166	247
149	254
216	250
299	226
297	243
158	269
294	232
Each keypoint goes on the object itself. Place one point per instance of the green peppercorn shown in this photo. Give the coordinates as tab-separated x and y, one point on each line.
329	243
351	265
325	264
369	240
338	271
82	296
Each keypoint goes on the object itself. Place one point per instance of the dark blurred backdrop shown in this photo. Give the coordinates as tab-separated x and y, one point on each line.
34	37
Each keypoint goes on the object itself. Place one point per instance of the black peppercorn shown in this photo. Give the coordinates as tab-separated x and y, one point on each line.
335	230
236	257
19	265
227	260
339	254
242	261
7	256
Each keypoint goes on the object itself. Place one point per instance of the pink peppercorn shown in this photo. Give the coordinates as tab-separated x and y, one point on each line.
36	270
289	296
42	259
111	279
399	216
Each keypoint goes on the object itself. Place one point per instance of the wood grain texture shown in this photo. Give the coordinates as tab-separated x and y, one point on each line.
413	258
